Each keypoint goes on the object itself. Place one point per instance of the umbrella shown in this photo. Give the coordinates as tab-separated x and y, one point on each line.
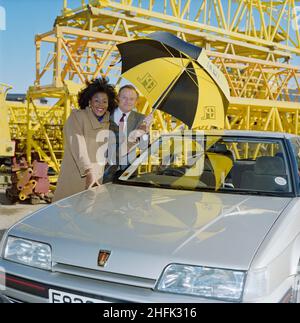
178	78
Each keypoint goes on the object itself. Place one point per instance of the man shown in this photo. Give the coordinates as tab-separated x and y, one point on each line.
124	116
132	125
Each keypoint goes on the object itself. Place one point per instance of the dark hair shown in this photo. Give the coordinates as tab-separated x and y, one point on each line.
130	87
95	86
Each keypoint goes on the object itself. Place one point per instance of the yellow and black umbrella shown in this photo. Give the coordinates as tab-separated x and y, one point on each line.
178	78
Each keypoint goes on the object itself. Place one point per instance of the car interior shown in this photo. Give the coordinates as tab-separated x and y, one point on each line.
266	173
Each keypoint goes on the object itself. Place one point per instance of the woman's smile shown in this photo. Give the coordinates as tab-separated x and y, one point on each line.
99	104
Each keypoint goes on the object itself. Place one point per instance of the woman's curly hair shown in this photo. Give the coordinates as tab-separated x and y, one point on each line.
95	86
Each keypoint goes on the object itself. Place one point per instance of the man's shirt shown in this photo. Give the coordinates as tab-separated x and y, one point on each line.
118	116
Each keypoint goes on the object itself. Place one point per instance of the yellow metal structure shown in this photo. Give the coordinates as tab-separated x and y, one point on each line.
253	42
7	147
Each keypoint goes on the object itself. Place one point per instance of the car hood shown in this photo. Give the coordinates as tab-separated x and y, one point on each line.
148	228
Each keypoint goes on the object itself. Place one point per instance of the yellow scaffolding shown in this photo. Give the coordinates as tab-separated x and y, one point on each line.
252	41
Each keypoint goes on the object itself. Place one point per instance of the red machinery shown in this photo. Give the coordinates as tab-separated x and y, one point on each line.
29	182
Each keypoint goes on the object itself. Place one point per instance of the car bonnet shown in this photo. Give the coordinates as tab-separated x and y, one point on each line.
145	229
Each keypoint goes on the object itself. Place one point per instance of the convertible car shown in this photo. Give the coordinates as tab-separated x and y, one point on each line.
197	217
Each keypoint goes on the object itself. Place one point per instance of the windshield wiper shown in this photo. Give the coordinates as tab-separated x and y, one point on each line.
203	189
279	194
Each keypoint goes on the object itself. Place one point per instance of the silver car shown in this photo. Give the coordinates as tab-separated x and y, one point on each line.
197	217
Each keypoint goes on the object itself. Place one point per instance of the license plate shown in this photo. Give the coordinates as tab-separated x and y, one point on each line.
56	296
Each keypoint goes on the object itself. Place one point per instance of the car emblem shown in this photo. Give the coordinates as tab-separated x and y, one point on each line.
103	257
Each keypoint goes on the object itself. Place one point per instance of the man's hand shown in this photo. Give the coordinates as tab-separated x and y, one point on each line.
135	135
143	128
148	122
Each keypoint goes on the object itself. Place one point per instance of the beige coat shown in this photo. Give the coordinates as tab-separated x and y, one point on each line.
85	147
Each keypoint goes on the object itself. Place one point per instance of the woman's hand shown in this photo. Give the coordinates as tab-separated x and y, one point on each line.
91	179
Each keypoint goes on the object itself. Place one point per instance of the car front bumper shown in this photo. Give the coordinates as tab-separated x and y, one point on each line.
102	290
4	299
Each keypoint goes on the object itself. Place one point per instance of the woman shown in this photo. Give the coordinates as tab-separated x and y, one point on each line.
83	166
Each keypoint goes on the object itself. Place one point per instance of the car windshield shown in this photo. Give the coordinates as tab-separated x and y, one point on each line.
214	163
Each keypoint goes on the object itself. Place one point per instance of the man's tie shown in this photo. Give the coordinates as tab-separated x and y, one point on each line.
122	123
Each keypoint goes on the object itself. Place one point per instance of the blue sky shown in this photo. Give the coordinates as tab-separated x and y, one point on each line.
25	19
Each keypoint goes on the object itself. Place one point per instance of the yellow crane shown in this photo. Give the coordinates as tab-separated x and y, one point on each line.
253	42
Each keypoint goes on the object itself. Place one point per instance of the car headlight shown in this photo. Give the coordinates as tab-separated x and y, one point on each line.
205	282
28	252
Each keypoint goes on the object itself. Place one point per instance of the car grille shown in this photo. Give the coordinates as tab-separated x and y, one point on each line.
105	276
41	290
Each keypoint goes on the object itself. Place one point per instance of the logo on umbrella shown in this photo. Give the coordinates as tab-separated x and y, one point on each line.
209	113
148	82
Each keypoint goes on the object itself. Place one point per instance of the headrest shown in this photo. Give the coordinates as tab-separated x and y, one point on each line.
220	148
270	166
280	154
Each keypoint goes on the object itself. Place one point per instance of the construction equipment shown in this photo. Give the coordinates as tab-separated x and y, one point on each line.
7	146
252	42
29	182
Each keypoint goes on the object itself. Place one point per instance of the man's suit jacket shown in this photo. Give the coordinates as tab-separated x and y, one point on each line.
135	119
